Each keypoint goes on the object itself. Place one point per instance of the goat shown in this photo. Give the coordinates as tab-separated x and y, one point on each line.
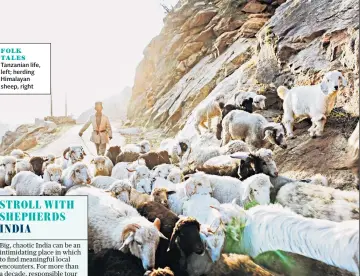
315	101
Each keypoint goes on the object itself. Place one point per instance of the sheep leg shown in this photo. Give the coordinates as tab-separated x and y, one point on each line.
197	123
209	123
318	127
288	121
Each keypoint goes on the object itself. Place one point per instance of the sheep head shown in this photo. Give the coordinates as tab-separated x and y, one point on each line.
53	173
144	185
76	153
259	101
52	189
331	82
257	187
198	184
275	134
175	176
121	190
220	100
162	170
37	164
100	166
144	146
8	163
142	241
161	196
214	239
80	174
186	235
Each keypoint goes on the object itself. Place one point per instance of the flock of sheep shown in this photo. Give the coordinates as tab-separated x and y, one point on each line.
207	207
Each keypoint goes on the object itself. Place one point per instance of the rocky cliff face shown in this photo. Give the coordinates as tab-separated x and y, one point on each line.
208	47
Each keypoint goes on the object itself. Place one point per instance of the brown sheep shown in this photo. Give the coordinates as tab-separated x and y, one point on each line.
112	153
159	195
128	156
153	159
234	265
160	272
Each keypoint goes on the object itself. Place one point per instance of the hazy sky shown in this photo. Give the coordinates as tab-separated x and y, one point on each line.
96	46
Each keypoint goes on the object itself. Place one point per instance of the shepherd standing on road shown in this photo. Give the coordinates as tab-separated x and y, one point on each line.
102	133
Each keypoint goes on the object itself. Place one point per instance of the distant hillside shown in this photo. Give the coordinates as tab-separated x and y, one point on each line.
3	129
115	107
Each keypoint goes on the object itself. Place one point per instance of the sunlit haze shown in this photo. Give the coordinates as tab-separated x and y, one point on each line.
96	46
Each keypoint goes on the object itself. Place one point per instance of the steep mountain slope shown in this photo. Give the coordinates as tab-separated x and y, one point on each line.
226	46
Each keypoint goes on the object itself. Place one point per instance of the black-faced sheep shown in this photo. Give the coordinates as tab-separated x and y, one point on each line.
37	164
183	235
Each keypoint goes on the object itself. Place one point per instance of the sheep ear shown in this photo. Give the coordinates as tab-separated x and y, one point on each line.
324	87
240	155
171	192
162	236
127	241
157	223
130	170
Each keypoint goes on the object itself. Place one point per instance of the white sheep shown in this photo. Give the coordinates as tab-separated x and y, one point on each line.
143	185
234	146
29	184
175	176
206	112
114	224
225	188
71	155
7	191
19	154
139	173
124	170
178	148
119	189
142	147
101	165
7	170
53	173
254	129
76	174
22	160
273	227
320	202
314	101
104	182
353	154
162	170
